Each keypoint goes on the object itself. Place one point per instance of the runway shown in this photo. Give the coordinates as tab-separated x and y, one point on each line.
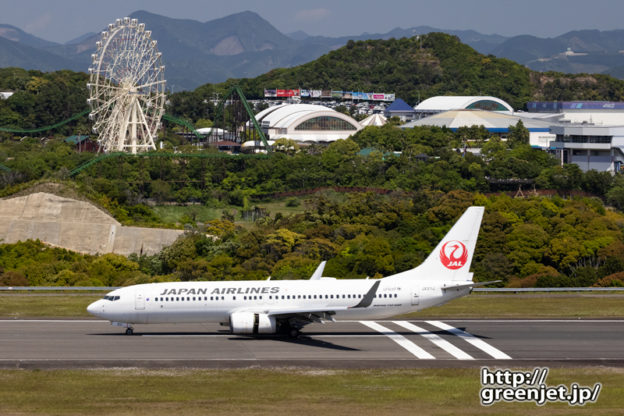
353	344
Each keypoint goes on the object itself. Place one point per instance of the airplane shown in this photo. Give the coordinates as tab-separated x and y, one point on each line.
286	306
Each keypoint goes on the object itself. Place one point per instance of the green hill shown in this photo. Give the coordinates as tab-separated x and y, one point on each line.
423	66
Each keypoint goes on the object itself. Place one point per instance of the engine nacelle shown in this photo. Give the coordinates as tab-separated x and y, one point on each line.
252	323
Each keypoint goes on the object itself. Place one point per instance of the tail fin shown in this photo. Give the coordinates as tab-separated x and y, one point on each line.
451	259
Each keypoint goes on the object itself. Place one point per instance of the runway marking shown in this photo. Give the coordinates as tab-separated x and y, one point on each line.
400	339
445	345
482	345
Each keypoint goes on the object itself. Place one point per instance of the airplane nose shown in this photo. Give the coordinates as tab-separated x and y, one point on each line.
93	308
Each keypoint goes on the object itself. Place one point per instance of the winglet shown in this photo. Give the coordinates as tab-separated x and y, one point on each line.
318	273
368	297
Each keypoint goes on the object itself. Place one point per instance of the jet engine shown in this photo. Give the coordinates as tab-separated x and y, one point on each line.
252	323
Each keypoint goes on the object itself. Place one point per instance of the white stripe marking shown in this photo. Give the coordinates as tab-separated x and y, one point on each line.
445	345
400	339
482	345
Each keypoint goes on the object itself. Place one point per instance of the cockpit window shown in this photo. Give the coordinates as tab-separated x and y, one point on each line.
111	298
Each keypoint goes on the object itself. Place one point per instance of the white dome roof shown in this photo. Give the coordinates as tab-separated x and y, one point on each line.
446	103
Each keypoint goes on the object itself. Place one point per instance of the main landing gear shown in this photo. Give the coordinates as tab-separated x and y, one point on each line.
294	333
129	331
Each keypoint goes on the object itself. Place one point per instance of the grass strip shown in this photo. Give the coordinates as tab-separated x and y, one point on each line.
267	392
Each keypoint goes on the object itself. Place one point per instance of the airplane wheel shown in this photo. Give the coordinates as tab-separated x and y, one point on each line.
129	331
294	333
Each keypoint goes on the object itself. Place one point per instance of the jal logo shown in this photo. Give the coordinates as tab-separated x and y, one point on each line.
453	255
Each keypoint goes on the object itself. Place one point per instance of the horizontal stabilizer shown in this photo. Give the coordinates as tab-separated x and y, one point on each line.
470	284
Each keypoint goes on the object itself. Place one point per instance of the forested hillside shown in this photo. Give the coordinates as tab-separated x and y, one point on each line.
428	65
43	99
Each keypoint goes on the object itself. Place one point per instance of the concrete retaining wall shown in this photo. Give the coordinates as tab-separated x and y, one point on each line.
76	225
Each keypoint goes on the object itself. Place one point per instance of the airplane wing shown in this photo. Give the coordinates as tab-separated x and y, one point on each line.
471	285
318	273
304	316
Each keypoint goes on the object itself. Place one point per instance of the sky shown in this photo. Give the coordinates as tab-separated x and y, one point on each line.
63	20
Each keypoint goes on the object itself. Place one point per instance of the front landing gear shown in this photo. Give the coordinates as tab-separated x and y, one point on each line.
128	326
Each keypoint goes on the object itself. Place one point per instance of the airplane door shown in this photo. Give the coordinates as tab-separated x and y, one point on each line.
415	298
139	301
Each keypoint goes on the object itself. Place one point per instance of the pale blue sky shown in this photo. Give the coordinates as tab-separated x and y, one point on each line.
62	20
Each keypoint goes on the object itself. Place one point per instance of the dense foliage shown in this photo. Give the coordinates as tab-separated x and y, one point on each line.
536	241
524	242
43	99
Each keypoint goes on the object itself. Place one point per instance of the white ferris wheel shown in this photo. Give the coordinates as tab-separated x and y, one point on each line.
127	88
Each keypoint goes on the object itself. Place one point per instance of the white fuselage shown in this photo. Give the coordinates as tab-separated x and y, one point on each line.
267	306
189	302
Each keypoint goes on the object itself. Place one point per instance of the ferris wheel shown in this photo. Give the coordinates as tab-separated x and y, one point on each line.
126	88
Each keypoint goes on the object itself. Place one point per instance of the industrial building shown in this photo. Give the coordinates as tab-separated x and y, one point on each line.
588	133
590	147
306	123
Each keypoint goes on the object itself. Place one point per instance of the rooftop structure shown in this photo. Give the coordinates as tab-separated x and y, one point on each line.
400	109
606	113
374	120
494	122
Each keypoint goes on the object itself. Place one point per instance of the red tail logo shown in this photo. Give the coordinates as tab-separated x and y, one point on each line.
453	255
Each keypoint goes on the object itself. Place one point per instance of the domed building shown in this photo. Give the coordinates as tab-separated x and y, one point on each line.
443	103
306	123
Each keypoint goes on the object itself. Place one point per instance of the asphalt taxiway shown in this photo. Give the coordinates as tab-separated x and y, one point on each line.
353	344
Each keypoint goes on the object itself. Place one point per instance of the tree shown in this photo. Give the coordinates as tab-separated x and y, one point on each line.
518	135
